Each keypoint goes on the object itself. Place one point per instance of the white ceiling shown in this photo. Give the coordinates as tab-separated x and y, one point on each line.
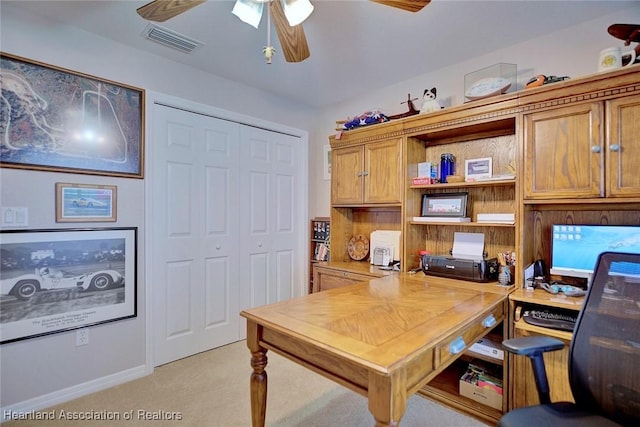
355	45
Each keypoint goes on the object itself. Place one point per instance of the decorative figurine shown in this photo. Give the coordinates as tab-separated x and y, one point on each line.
411	112
429	102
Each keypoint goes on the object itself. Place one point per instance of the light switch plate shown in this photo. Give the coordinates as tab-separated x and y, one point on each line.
14	217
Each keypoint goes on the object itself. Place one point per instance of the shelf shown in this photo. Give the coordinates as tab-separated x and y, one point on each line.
556	333
484	357
540	297
445	388
465	224
502	182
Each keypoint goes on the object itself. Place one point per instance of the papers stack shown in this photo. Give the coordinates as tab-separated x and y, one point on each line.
440	219
501	218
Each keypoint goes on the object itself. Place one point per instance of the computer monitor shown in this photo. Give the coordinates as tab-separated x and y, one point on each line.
575	248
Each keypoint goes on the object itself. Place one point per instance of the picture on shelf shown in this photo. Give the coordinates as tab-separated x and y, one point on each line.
444	205
478	168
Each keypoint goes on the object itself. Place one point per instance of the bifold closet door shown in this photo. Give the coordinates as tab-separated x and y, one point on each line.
195	227
272	260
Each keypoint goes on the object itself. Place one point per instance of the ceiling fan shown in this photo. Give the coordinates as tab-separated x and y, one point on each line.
288	25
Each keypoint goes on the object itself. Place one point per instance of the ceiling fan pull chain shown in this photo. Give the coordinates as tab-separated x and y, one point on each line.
268	50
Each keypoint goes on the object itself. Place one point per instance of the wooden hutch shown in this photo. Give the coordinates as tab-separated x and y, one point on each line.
574	146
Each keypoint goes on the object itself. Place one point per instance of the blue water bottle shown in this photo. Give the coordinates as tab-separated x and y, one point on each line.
447	166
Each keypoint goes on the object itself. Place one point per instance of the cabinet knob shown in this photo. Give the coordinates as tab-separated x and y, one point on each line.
259	244
614	147
457	345
218	247
595	149
366	173
489	321
359	174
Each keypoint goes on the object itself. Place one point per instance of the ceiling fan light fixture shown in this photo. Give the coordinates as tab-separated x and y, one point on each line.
296	11
248	11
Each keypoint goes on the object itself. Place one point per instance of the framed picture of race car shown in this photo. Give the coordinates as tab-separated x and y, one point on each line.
63	279
85	203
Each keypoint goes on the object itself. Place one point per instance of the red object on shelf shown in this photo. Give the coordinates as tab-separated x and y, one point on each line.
423	180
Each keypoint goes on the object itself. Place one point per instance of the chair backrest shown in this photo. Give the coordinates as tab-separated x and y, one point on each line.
604	358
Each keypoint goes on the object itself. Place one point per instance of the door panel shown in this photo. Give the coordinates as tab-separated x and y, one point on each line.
564	156
208	177
269	169
195	255
623	147
383	180
347	175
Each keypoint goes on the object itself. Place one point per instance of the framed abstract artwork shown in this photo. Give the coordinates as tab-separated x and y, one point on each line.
54	119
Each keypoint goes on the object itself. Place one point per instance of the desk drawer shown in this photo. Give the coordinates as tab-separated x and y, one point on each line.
328	279
456	343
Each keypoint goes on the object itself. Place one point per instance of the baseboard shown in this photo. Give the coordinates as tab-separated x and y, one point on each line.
70	393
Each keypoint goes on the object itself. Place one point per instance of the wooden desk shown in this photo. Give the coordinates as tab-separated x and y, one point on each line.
384	338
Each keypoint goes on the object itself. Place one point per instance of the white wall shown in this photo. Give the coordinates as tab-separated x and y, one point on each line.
43	371
572	52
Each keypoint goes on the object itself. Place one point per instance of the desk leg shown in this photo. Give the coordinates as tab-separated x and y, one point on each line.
387	398
258	381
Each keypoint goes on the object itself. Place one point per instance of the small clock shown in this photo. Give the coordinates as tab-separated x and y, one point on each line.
358	247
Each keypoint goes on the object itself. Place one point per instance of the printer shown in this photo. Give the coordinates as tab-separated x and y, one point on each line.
466	261
483	270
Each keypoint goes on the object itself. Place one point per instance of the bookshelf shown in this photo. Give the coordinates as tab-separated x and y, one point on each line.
319	244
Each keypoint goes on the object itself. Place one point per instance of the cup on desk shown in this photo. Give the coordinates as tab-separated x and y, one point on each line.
611	58
506	275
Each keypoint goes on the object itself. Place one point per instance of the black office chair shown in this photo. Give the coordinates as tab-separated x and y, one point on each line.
604	355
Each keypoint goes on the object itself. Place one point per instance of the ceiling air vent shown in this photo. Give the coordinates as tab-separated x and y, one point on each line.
170	38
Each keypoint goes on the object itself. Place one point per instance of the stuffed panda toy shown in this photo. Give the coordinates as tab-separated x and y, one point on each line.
429	102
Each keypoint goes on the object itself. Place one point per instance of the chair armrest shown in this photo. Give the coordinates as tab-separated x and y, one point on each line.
528	346
533	347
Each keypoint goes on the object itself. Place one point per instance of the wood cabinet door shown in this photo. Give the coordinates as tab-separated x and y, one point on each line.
523	382
347	168
383	172
564	153
327	278
623	147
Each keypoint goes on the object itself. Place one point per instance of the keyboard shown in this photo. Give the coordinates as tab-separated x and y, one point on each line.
550	319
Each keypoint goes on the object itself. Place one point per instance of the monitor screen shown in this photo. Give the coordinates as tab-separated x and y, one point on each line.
575	248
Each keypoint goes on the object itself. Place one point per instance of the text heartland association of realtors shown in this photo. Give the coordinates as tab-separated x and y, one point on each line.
140	415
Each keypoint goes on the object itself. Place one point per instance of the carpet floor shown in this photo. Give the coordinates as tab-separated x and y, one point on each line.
211	389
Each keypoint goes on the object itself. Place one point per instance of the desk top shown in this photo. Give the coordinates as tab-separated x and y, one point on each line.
379	323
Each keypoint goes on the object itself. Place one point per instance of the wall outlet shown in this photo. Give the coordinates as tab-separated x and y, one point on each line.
82	337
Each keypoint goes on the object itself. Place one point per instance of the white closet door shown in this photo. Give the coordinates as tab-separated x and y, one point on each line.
194	175
271	255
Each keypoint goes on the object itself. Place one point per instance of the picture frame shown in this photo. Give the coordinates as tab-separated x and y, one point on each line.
478	168
444	205
86	203
326	155
57	280
65	121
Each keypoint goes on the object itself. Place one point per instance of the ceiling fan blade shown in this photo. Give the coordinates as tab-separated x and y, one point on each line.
292	39
410	5
161	10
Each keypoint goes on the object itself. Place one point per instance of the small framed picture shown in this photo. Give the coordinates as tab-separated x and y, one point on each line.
326	164
446	204
477	168
86	203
